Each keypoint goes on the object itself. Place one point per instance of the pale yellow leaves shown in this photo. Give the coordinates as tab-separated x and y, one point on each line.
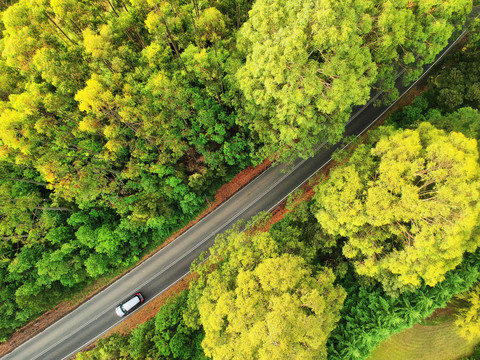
257	304
277	311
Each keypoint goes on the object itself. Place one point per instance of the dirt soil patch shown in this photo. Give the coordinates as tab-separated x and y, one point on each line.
440	313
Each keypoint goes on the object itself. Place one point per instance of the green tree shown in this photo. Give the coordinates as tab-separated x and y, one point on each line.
407	34
278	310
465	120
307	64
110	140
456	84
162	337
371	316
140	341
173	339
112	347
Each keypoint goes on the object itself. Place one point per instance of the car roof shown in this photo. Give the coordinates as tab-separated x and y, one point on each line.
131	303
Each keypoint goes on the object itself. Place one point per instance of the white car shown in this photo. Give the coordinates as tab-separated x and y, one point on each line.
129	305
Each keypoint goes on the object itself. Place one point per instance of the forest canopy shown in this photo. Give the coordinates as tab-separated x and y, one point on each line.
254	302
119	118
402	183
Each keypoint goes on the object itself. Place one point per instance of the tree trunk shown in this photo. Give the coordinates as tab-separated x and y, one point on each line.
174	44
58	27
195	5
111	5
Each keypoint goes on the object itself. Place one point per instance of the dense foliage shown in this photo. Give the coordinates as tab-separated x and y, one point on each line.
468	313
371	316
241	263
256	303
116	121
407	206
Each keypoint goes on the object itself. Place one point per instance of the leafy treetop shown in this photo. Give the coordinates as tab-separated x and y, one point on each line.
407	206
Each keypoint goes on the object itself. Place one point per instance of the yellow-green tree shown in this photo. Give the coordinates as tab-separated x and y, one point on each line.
306	66
257	304
407	206
468	314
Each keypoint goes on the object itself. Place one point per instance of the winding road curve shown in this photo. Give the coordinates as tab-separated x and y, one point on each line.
169	265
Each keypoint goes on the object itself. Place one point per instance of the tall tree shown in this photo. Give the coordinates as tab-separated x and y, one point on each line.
278	310
308	63
254	303
407	206
407	34
306	66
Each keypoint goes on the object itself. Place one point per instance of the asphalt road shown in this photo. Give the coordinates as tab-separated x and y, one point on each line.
169	265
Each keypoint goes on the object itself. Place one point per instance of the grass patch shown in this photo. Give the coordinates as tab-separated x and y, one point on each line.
434	339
